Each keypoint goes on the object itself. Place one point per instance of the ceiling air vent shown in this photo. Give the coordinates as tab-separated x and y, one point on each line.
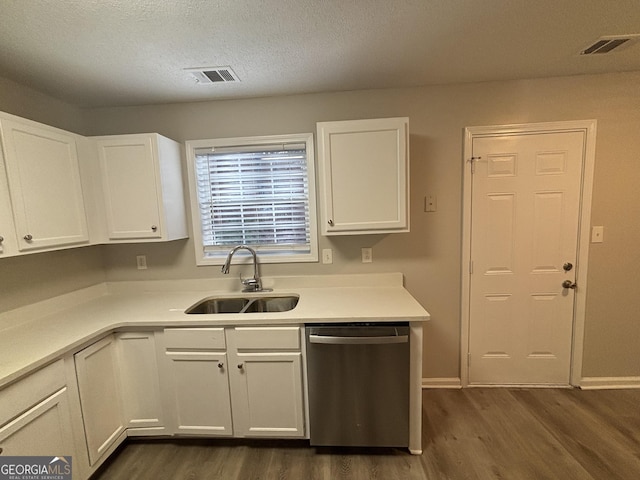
208	75
609	44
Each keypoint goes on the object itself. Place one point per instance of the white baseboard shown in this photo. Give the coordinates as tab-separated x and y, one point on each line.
593	383
442	382
587	383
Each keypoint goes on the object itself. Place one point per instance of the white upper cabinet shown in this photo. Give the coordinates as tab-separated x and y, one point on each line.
364	175
142	187
45	189
8	244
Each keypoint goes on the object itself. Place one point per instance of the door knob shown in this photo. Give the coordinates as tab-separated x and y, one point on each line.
569	284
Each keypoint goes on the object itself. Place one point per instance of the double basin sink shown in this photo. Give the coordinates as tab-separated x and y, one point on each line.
248	304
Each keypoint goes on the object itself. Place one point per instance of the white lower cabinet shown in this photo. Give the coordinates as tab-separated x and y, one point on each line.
211	381
241	382
139	384
119	391
197	382
266	383
100	397
35	417
43	430
200	387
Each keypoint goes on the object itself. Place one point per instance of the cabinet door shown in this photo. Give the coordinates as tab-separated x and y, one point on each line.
364	174
200	389
139	384
44	185
131	186
267	395
98	384
43	430
7	228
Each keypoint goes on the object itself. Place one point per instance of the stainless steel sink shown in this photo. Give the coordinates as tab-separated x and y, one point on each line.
218	305
272	304
253	304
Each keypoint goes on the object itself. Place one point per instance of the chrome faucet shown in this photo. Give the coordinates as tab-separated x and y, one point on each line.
250	284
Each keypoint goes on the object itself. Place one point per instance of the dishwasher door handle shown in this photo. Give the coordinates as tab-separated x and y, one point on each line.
333	340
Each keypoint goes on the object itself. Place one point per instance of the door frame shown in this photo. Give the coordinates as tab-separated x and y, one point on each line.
588	127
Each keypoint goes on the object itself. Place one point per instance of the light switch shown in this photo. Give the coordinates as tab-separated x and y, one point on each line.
327	255
597	234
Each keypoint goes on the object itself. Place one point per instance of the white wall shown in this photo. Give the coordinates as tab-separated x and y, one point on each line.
28	103
429	255
31	278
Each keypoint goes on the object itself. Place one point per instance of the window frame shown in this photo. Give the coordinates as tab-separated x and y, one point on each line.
204	258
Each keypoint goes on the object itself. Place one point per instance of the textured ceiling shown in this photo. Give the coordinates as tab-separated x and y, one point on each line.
131	52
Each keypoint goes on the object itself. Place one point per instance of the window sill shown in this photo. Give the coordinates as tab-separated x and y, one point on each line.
244	259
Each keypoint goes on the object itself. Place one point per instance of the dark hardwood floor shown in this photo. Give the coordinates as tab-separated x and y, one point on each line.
511	434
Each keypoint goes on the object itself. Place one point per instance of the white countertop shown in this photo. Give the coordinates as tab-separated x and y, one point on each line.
33	336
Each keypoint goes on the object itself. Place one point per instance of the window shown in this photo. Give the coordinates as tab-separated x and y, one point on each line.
255	191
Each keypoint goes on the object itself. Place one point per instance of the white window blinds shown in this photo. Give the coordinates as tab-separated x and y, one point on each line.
255	195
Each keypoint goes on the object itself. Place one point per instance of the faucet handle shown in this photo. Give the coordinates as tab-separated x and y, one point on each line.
251	284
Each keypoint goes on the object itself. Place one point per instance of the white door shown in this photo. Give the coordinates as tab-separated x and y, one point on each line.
525	210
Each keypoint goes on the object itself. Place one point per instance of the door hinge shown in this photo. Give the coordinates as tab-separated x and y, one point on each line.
473	161
469	361
470	267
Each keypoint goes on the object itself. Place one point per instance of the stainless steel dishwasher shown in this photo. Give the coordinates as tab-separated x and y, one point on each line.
358	377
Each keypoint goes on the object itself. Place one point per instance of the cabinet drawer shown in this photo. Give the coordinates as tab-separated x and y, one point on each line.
267	338
194	338
25	393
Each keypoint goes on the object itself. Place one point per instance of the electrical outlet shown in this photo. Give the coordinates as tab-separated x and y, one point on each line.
141	262
367	255
327	255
